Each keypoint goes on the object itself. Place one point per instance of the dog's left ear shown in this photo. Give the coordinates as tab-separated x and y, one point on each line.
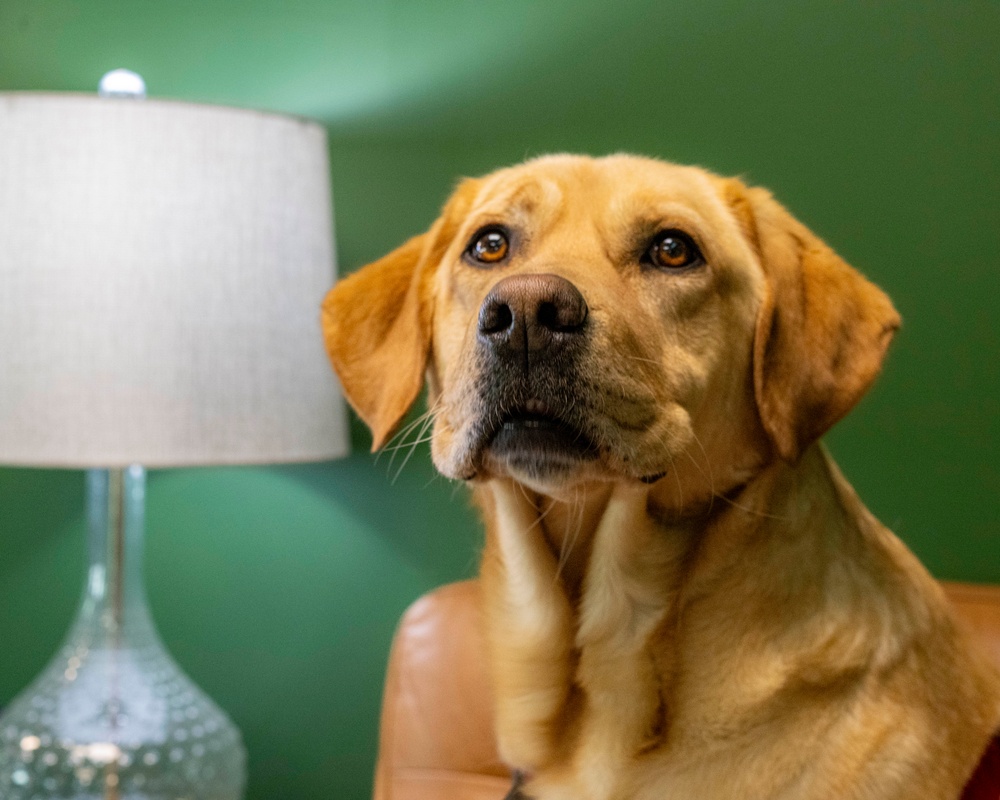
822	330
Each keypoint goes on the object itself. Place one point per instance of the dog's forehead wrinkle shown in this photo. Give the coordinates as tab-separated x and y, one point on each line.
520	197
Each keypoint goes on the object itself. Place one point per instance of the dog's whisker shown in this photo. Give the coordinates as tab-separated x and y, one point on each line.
424	421
398	441
406	459
540	519
413	446
710	475
752	511
677	479
569	542
643	360
401	434
437	477
421	437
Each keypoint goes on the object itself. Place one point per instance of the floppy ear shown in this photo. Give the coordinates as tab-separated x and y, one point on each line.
377	323
822	330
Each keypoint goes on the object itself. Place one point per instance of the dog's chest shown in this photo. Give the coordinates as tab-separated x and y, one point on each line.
628	597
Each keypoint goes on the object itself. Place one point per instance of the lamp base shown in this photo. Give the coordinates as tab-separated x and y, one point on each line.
112	717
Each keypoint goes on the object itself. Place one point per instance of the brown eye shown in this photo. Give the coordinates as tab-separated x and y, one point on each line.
673	250
490	246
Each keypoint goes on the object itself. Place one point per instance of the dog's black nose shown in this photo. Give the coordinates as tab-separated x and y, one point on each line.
525	314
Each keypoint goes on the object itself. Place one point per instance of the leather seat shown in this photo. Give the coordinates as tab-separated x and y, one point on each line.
436	740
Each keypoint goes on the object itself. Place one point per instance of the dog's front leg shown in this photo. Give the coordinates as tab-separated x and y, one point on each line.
529	627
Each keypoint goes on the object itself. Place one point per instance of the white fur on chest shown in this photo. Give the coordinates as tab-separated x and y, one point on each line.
627	594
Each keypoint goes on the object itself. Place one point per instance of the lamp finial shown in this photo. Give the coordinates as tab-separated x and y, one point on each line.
122	83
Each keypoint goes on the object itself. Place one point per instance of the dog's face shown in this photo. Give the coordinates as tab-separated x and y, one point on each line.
605	319
584	314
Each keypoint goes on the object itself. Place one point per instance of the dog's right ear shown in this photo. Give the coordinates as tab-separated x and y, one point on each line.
377	323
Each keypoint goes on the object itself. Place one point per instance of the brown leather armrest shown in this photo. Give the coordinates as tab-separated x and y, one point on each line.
436	738
979	606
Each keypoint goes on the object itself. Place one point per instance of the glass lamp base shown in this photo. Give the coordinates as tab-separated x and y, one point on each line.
113	717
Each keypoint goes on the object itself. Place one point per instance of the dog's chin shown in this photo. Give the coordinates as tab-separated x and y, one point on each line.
542	453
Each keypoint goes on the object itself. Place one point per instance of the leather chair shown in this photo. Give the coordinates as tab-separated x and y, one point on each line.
436	740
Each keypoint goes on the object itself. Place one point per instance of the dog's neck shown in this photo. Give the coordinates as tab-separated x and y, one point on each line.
569	519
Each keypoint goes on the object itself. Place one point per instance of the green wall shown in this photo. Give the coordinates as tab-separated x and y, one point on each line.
878	124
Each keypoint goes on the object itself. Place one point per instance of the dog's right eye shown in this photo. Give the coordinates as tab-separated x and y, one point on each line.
489	246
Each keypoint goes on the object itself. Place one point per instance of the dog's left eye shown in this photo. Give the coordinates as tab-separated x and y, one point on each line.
673	249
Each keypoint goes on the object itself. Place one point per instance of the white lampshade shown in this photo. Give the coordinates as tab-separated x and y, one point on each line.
162	265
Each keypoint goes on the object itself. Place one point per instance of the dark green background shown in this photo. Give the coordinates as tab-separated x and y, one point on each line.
877	124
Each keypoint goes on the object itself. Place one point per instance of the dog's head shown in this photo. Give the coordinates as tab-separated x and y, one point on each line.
617	318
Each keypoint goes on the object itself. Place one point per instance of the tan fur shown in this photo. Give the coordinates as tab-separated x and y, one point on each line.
743	627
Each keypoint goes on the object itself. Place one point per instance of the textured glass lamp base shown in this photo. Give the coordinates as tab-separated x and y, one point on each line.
153	736
113	717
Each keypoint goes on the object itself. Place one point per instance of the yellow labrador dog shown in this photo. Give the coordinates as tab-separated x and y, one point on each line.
630	363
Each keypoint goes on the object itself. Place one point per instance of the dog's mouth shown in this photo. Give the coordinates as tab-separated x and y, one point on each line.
535	442
540	434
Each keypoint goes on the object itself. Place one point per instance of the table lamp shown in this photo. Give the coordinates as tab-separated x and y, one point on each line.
161	270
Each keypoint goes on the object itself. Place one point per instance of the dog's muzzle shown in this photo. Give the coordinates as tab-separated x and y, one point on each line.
532	333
